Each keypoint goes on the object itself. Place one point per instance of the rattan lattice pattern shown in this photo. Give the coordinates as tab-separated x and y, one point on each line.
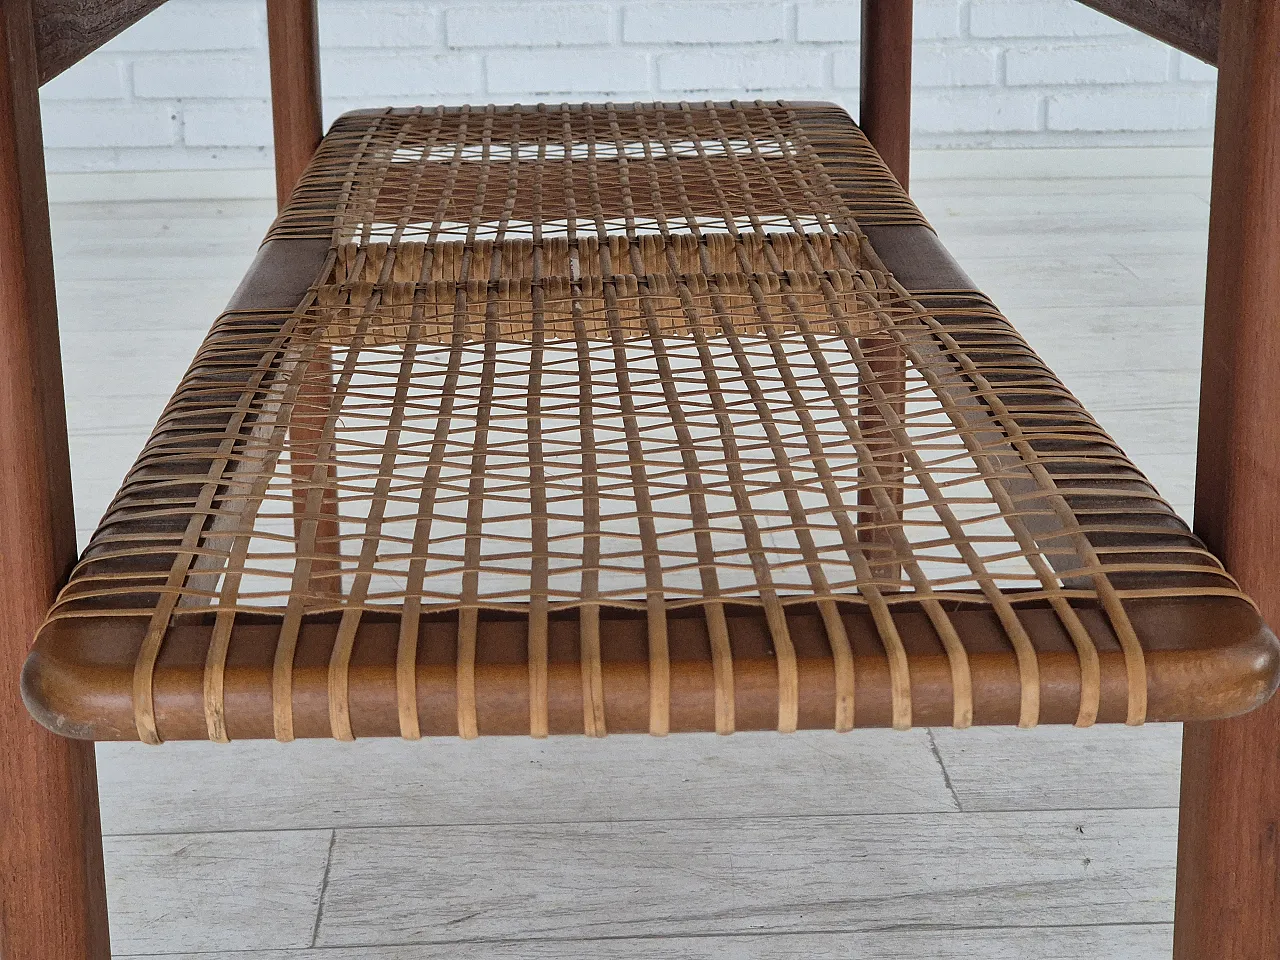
580	359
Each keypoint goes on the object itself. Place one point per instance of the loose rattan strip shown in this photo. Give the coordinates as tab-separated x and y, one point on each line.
579	359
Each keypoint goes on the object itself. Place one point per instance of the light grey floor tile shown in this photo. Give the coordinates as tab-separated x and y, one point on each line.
1082	282
749	875
1120	942
268	785
229	891
1062	768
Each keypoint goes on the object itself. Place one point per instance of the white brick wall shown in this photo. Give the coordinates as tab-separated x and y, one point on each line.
187	87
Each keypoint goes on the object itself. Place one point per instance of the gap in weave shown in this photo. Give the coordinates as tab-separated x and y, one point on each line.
515	228
534	150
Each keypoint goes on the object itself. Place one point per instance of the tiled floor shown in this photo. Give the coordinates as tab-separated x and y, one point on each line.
993	844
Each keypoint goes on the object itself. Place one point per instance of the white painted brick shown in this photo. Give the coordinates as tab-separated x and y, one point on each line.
535	25
933	65
751	72
840	21
1117	110
936	19
206	75
1196	71
403	77
1092	63
96	78
223	124
846	69
1039	18
698	22
526	75
196	25
152	125
975	111
987	71
171	157
360	23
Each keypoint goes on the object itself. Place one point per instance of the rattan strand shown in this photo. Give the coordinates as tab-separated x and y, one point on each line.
580	358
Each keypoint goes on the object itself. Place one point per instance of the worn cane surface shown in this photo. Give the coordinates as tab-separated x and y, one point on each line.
614	418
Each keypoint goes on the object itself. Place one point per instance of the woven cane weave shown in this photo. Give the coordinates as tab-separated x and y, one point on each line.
577	363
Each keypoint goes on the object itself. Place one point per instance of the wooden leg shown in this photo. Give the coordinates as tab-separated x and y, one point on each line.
52	893
293	39
885	357
885	117
306	430
1228	905
885	111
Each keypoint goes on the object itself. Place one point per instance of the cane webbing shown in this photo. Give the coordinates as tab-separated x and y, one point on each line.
566	361
577	171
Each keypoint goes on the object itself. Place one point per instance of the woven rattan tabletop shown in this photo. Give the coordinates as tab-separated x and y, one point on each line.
618	419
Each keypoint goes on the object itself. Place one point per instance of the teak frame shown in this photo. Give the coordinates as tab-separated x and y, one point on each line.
52	896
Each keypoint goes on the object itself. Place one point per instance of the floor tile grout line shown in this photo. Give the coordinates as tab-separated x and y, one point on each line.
744	934
451	825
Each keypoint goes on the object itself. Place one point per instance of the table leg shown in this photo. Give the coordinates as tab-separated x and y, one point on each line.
885	111
1228	903
297	118
52	892
885	358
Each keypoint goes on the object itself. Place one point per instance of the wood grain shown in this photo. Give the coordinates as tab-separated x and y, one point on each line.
52	904
1189	25
1229	858
885	110
72	689
67	31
